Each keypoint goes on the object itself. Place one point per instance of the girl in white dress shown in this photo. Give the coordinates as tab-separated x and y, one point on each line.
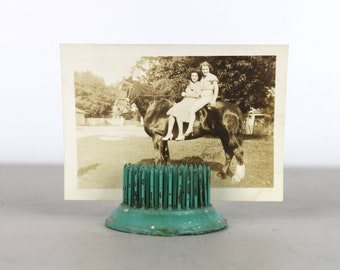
180	112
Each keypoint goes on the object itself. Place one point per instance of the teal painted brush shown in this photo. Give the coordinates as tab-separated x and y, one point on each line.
166	200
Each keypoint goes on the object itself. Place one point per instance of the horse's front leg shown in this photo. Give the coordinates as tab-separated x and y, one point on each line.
165	151
161	150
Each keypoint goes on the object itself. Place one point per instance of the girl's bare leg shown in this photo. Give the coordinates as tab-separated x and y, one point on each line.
171	124
198	105
180	136
191	123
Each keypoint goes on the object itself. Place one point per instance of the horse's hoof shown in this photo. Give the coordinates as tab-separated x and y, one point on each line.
236	179
222	175
240	171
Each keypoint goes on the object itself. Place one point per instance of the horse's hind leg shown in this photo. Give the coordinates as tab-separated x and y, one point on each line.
225	169
224	136
232	148
240	168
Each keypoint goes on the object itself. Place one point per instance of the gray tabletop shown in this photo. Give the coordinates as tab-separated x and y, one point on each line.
39	230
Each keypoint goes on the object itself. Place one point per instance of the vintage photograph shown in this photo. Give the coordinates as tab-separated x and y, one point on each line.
222	106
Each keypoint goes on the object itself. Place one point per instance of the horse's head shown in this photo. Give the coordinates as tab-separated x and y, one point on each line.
135	94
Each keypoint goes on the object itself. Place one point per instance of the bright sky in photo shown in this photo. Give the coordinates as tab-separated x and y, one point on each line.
111	69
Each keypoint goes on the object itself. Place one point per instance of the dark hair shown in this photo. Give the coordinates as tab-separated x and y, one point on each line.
205	63
194	71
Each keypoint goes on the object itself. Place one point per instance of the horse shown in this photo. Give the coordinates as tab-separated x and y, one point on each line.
224	120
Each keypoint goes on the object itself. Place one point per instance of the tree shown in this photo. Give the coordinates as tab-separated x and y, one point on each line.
247	81
92	95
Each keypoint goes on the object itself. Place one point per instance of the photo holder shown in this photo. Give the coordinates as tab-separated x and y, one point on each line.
166	200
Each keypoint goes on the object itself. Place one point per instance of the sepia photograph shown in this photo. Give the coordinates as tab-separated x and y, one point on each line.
222	106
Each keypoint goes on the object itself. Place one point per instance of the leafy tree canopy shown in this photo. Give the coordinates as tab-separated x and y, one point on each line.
248	81
92	95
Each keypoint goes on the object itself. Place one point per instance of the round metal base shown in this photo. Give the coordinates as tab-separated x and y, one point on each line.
166	222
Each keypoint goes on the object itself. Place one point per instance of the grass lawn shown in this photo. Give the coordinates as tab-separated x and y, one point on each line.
101	158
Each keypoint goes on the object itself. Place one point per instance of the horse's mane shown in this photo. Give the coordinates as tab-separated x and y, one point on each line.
142	89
